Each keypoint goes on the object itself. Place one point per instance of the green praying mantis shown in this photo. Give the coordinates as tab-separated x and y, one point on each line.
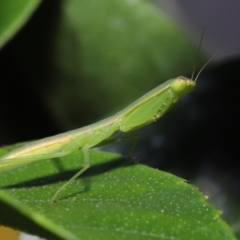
145	110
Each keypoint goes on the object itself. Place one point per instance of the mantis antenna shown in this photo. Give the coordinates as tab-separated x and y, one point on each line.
198	52
216	54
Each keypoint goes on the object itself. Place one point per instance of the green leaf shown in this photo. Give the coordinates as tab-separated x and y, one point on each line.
13	15
114	199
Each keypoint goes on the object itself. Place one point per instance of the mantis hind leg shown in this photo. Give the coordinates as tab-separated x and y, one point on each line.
85	150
